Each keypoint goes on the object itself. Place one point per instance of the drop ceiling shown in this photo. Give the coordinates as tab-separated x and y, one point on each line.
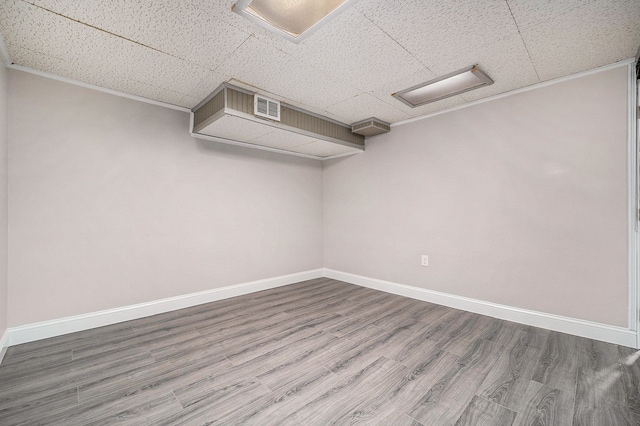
178	52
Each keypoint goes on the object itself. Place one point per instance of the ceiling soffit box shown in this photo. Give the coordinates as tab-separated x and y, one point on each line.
228	115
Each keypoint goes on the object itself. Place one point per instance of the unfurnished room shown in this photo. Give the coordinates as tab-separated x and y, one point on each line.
304	212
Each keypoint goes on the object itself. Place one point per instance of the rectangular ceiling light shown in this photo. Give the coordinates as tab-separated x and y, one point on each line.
444	87
292	19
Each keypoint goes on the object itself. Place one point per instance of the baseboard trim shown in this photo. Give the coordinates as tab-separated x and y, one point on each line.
46	329
4	344
592	330
43	330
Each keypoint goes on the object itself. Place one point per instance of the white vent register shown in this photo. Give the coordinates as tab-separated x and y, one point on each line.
265	107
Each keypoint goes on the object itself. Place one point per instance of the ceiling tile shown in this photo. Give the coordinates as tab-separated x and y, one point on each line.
206	86
365	106
60	67
367	55
162	94
37	60
79	52
443	34
187	30
269	69
510	69
565	37
448	36
536	14
24	25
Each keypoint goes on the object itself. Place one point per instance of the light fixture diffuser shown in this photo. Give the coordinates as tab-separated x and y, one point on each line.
444	87
292	19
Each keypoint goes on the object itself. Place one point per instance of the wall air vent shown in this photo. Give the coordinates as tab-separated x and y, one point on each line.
265	107
233	115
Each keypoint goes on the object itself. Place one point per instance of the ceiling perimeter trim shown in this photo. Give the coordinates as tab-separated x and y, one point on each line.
98	88
4	52
540	85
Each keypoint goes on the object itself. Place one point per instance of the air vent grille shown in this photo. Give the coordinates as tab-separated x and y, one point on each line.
370	127
357	127
265	107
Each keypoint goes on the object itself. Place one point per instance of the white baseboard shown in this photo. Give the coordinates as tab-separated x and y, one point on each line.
58	327
592	330
4	344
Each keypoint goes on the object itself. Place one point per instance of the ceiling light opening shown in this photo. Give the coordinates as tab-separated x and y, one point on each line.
458	82
292	19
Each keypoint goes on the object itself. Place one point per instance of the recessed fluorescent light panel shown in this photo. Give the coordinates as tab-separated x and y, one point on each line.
292	19
444	87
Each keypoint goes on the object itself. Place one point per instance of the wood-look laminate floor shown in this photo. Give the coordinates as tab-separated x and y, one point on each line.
317	353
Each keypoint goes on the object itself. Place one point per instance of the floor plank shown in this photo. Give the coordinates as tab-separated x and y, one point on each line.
291	397
482	412
319	352
558	365
449	397
507	382
543	405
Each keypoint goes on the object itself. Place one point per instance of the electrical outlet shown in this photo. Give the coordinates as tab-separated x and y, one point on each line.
425	260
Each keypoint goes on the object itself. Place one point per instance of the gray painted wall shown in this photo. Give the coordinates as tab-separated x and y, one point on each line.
112	203
3	195
519	201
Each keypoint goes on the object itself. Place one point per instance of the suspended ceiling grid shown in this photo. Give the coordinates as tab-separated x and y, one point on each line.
178	52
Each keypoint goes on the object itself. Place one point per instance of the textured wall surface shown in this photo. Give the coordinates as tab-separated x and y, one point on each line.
112	203
520	201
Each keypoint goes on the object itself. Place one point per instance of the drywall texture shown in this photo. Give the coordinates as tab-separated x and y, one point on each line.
112	203
519	201
3	196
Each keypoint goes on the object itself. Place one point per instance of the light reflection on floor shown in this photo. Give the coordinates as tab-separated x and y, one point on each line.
606	378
